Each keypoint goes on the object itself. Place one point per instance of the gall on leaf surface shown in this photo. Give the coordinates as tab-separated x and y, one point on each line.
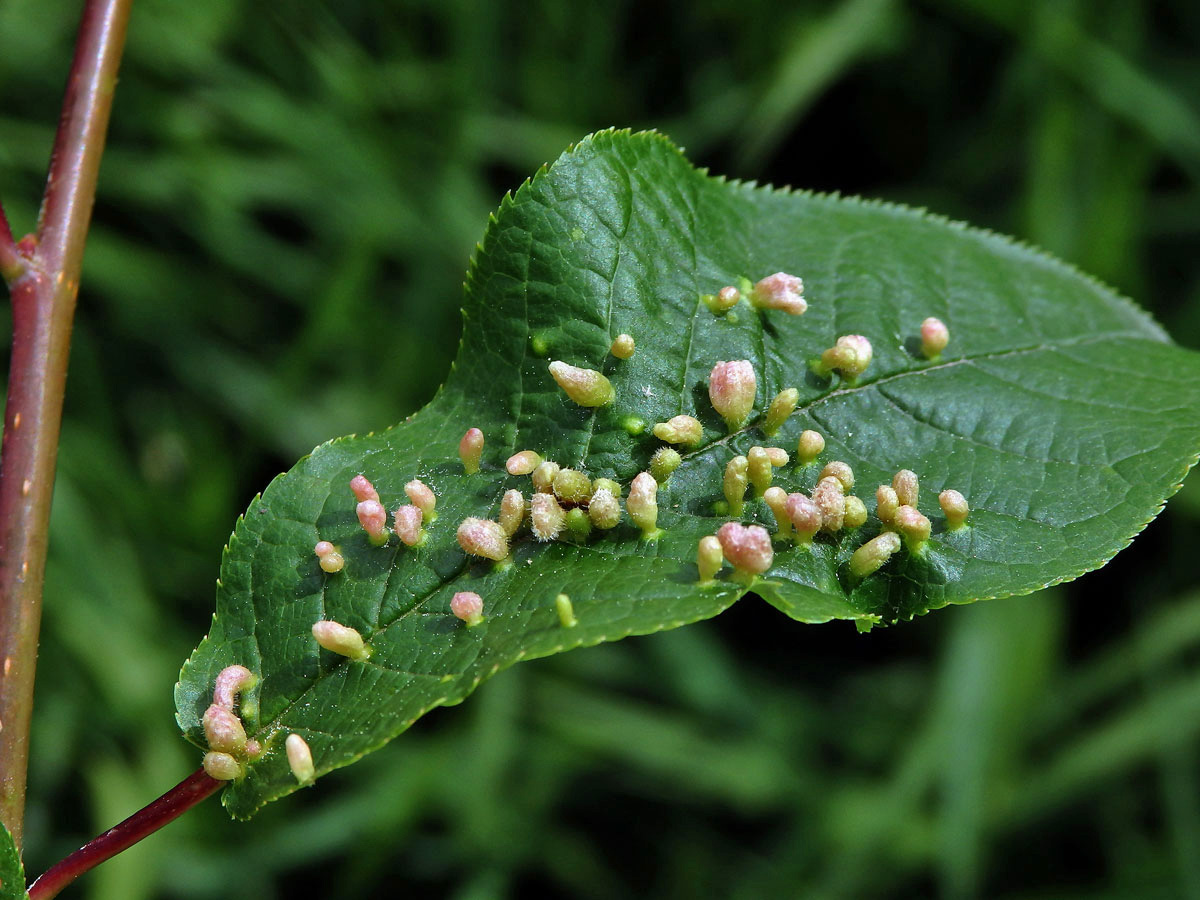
1060	410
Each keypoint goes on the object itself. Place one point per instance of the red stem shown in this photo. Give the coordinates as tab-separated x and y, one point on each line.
166	808
43	297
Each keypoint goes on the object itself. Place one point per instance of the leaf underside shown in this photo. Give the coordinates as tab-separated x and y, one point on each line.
1059	409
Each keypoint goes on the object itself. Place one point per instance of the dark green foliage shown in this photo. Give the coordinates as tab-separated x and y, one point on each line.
1059	408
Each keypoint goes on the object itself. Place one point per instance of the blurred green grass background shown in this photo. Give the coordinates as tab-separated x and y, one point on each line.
283	179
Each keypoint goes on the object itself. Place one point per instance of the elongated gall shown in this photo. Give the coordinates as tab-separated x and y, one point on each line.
587	387
747	547
328	557
934	337
423	498
512	511
780	291
954	507
839	470
622	346
468	606
886	504
731	388
830	497
805	516
776	498
664	461
571	486
222	766
913	526
906	486
709	558
642	504
736	479
340	639
300	759
565	610
758	468
483	537
685	430
407	523
605	509
543	477
546	516
781	407
223	730
232	681
470	450
363	489
523	462
809	447
855	512
373	519
874	553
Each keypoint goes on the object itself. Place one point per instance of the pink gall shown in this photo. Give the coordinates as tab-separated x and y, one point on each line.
523	462
232	681
328	557
470	450
913	526
642	504
732	387
363	489
224	731
512	511
587	387
747	547
780	291
830	497
422	497
468	606
373	519
300	759
547	517
340	639
408	525
483	537
934	337
805	516
954	507
723	300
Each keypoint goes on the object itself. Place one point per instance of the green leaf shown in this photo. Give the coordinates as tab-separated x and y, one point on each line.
1059	409
12	873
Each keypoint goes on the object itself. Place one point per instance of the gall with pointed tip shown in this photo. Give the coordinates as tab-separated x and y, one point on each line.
587	387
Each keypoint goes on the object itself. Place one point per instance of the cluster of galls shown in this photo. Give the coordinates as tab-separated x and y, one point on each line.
229	748
408	520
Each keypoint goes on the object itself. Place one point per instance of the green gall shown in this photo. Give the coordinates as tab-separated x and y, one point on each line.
543	477
914	527
709	558
759	468
587	387
874	553
839	470
685	430
607	484
222	767
642	504
328	557
571	486
633	425
512	511
467	606
566	612
886	504
855	513
340	639
663	463
622	346
604	509
781	407
777	455
722	301
934	337
731	388
734	486
300	759
578	524
776	499
954	507
809	447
